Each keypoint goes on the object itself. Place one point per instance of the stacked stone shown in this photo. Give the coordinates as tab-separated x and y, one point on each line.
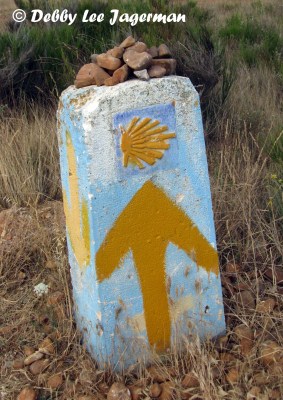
130	58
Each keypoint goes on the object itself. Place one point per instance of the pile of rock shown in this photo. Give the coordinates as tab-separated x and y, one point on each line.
130	58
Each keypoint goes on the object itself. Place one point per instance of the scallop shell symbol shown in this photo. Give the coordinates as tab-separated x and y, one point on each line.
144	140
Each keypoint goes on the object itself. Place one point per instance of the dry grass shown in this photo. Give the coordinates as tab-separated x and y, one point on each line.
29	165
260	85
248	225
33	250
269	12
6	9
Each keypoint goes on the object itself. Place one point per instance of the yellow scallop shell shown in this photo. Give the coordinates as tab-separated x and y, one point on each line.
144	141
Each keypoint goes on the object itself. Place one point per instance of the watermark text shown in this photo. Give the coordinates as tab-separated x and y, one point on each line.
115	16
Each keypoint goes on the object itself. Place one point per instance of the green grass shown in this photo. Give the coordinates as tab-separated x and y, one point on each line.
40	60
253	42
43	59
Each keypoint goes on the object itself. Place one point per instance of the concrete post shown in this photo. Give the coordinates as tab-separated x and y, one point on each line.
140	229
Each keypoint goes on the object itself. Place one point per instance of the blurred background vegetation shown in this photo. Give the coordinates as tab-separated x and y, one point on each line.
39	60
231	50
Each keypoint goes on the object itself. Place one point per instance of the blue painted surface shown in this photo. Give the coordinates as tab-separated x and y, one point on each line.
105	309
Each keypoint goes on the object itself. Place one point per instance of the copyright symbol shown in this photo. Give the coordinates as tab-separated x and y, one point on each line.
19	15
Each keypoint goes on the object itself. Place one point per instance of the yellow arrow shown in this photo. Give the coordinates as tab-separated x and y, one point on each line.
77	218
149	222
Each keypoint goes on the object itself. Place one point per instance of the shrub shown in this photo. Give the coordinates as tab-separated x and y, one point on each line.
40	60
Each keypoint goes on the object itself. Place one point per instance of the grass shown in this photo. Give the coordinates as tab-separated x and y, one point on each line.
242	109
253	40
29	165
39	61
6	7
33	251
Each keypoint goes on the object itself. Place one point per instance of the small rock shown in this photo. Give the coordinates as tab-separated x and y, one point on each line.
33	357
168	63
129	41
87	376
270	352
42	379
27	393
93	58
137	61
43	319
157	374
232	268
156	71
112	81
253	393
18	363
55	381
274	394
47	329
216	372
164	51
38	366
121	74
116	52
241	286
266	306
153	51
245	299
275	273
172	372
185	395
58	297
50	264
190	381
118	391
136	392
55	335
46	346
261	378
109	62
227	284
222	343
243	332
85	76
233	376
246	346
5	330
103	388
143	75
226	357
28	350
155	390
21	275
139	47
276	369
167	391
60	312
